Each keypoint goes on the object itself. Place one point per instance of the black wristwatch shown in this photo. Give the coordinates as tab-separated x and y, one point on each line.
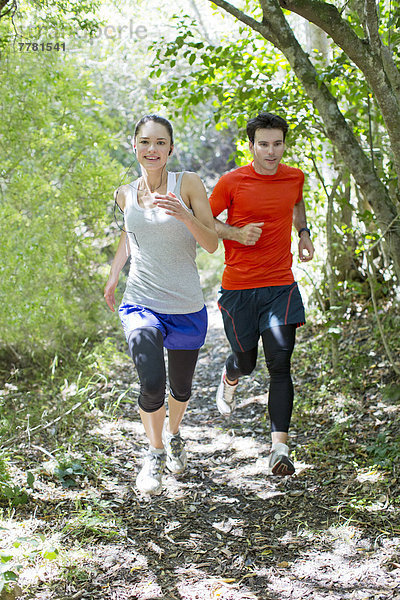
304	229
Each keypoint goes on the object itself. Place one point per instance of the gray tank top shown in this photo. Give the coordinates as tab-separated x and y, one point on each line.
163	273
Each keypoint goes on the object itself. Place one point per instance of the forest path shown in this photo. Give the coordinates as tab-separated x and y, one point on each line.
224	530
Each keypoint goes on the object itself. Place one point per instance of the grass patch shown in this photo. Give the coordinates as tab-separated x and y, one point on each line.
384	451
94	523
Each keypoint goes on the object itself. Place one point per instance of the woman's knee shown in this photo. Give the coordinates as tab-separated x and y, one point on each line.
181	395
181	387
152	393
181	366
146	346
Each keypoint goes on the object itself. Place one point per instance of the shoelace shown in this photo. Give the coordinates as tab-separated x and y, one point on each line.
176	443
157	462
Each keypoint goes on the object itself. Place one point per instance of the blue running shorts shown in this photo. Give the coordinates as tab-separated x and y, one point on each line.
180	332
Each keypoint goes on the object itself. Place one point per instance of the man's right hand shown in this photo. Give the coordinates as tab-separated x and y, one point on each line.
249	234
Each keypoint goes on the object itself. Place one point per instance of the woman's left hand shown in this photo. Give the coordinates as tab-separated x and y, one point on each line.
172	206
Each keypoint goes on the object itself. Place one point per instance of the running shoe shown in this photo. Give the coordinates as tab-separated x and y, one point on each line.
279	461
149	479
226	402
176	453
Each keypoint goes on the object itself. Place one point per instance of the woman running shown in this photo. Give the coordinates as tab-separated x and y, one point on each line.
165	214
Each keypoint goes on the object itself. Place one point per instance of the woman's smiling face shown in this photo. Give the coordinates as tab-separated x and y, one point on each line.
153	145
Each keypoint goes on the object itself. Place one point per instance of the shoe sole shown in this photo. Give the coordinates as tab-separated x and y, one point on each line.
174	472
224	413
283	466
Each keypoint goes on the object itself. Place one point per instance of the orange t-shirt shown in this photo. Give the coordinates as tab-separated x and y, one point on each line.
253	198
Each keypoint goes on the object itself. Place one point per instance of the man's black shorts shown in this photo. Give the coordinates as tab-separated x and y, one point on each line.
247	313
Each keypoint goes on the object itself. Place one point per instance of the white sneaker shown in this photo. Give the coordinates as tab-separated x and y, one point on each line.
176	453
226	402
279	462
149	479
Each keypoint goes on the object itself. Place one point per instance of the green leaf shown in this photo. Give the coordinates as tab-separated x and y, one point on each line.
50	554
30	479
10	576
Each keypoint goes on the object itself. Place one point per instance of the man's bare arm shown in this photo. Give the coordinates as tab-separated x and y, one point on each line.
247	235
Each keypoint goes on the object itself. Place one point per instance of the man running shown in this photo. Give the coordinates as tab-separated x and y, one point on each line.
259	297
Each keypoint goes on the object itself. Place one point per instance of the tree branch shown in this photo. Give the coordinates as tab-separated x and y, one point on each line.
372	25
328	18
12	8
391	70
200	20
263	28
241	16
378	68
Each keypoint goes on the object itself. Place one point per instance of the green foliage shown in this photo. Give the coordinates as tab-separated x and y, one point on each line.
56	182
93	522
391	393
12	493
30	548
238	78
4	475
7	573
384	451
68	472
57	400
210	268
44	20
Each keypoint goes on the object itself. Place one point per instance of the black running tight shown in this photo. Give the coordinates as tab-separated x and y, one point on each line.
147	351
278	344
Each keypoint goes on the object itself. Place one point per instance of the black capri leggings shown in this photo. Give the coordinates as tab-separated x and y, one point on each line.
278	344
147	350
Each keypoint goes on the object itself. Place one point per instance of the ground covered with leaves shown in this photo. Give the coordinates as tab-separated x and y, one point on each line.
74	527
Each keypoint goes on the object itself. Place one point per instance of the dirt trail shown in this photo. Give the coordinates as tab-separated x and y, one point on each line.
224	530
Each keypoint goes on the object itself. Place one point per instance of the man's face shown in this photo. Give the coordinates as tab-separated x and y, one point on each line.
267	150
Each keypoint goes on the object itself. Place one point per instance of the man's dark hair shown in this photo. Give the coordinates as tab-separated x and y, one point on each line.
156	119
266	120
